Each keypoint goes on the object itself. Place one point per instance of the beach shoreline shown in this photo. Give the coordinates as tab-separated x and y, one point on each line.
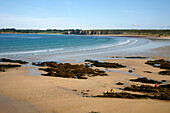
103	47
68	95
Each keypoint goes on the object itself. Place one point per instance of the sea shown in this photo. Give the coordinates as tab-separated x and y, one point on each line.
64	48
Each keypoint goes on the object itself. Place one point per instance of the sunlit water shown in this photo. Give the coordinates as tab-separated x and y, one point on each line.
46	47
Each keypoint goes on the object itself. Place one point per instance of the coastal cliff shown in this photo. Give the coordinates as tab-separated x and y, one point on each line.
157	33
116	32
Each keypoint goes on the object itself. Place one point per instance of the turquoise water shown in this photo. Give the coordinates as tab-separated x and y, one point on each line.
40	43
40	47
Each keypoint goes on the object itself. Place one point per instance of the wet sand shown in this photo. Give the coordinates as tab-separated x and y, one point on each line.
8	105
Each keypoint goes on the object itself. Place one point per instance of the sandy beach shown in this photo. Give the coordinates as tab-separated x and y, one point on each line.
21	92
84	56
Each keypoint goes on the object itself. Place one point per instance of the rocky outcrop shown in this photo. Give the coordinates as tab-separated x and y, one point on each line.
161	92
161	63
13	61
68	70
145	80
105	64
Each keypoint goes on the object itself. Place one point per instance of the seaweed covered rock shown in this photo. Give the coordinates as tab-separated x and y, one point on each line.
44	63
122	95
130	71
164	72
161	63
13	61
147	71
105	64
142	88
145	80
4	67
161	92
131	57
69	71
119	83
136	57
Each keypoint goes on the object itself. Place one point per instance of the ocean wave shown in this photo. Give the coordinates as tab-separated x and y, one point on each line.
133	42
69	50
32	52
99	47
108	46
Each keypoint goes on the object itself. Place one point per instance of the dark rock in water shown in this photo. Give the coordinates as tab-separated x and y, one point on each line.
13	61
165	86
74	90
131	57
119	83
161	92
136	57
142	88
122	95
105	64
147	71
94	112
44	63
163	81
161	63
145	80
130	71
4	67
164	72
69	71
117	57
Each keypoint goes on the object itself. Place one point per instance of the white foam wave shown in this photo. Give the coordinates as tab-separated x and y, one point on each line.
32	52
133	42
95	48
107	46
61	50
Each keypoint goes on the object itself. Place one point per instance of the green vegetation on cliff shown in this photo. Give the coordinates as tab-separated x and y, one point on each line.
158	33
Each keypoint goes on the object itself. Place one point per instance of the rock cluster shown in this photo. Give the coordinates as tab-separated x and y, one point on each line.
13	61
119	83
160	92
131	57
105	64
4	67
145	80
161	63
122	95
68	70
164	72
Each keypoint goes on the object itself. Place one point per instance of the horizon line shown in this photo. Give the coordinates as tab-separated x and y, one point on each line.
85	29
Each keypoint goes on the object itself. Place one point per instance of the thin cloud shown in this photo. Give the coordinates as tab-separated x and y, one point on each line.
135	25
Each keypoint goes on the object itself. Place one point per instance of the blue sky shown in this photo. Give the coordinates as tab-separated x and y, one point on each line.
85	14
